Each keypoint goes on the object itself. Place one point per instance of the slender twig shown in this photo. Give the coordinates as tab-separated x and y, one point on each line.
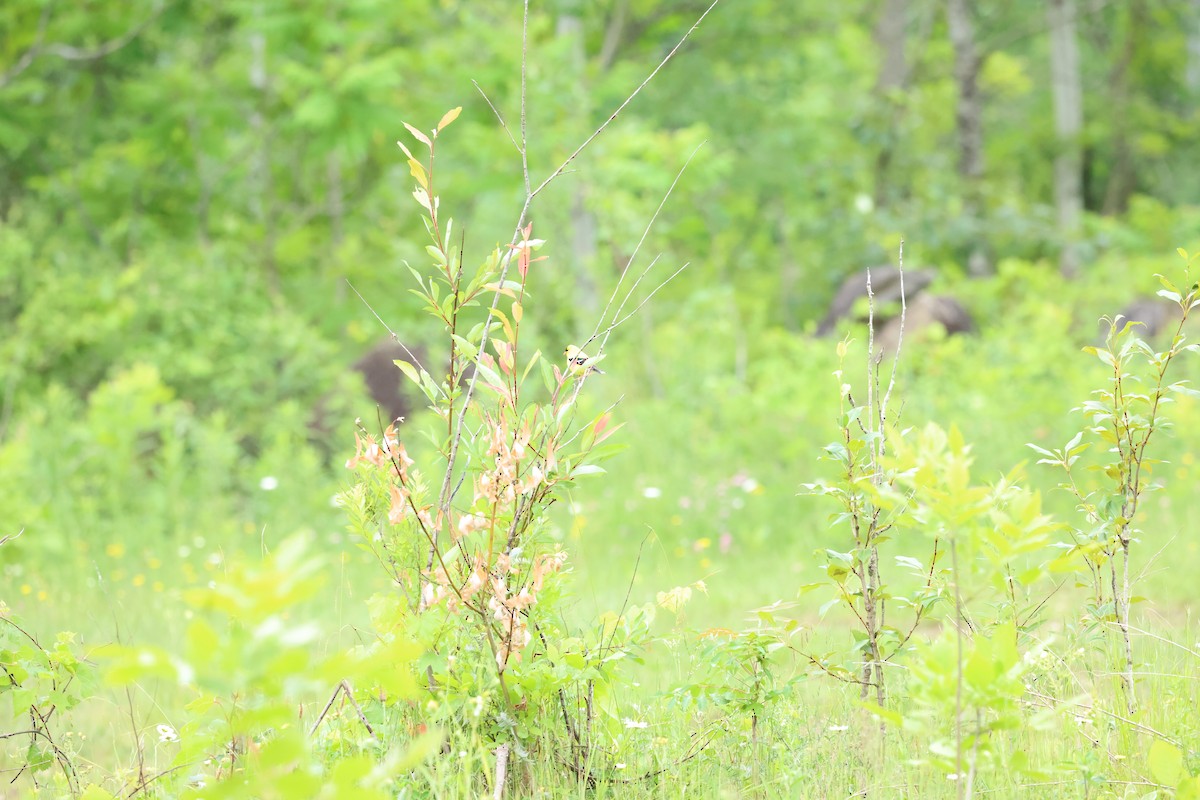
1050	702
1164	640
647	299
158	775
604	648
321	717
387	327
621	107
64	761
638	246
27	58
899	342
141	750
499	118
524	148
70	53
958	670
348	691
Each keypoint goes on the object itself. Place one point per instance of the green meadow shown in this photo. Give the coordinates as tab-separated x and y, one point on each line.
711	552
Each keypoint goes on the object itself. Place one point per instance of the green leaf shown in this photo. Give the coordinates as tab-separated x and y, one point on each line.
1166	763
418	172
409	371
467	347
890	717
1188	789
490	375
532	360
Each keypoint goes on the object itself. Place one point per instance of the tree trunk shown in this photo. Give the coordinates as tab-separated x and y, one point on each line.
1121	177
1068	125
263	205
612	35
583	221
968	119
335	203
1193	50
891	80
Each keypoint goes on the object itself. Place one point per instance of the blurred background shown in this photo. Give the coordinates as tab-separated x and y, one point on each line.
194	195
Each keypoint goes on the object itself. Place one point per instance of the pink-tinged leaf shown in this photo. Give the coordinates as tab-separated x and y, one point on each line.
408	154
420	137
449	117
523	252
600	438
508	328
600	425
504	356
506	288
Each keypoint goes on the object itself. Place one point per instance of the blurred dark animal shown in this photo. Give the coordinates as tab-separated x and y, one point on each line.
391	392
388	387
923	312
885	285
1157	314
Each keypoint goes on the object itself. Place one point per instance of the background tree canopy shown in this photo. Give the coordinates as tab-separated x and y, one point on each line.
189	189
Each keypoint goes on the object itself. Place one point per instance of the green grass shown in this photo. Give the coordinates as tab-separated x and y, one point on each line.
706	490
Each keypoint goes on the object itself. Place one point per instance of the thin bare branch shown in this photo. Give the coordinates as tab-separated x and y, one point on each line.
524	122
394	336
621	107
638	247
647	299
70	53
499	118
27	58
883	405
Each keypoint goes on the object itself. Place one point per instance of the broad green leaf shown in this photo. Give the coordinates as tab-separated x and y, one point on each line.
409	371
1166	763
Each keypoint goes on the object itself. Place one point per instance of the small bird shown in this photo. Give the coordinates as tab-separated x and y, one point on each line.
580	363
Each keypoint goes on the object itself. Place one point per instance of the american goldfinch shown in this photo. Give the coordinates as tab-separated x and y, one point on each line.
580	363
